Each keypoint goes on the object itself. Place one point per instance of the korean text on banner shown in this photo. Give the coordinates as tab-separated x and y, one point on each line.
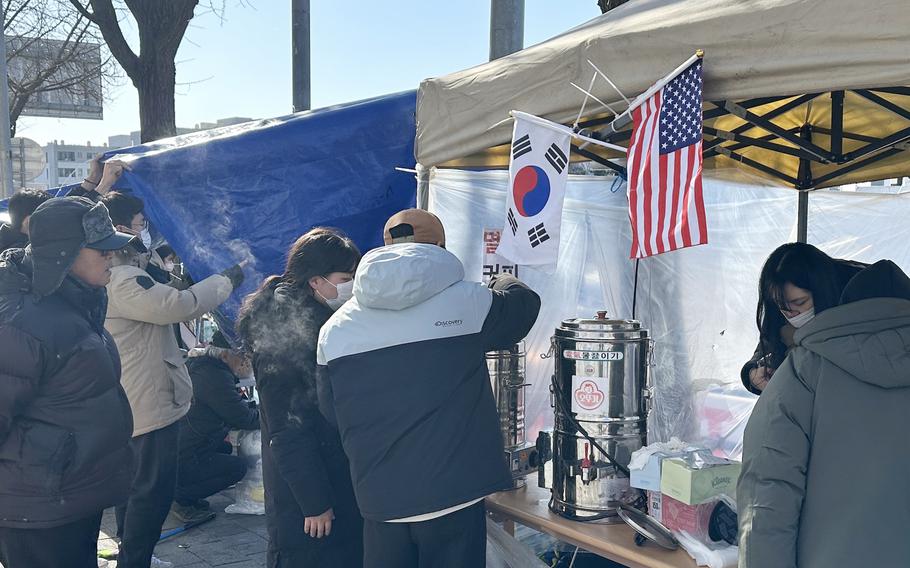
493	264
666	205
538	171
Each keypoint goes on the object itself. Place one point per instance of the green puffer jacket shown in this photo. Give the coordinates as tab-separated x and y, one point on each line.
826	467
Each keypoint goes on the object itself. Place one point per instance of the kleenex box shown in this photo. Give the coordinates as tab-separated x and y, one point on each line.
648	478
698	477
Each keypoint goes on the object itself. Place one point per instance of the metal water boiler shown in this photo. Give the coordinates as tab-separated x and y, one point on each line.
598	393
507	378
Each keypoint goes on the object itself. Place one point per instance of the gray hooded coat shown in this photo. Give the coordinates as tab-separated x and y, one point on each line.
825	463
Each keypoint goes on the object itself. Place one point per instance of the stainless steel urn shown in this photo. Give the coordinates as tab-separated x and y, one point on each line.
599	387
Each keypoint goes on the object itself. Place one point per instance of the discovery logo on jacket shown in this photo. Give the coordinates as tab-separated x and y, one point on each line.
408	384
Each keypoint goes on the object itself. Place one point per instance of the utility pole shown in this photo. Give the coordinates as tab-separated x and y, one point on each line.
507	26
6	163
300	45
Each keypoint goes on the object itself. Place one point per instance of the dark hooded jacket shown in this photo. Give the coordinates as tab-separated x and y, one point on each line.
11	238
65	422
305	471
216	408
825	460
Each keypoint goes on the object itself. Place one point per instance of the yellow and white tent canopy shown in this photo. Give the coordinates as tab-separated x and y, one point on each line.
814	93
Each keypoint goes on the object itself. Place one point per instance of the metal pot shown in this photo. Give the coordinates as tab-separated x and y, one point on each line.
599	387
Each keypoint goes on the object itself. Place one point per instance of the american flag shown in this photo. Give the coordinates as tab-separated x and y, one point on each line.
666	205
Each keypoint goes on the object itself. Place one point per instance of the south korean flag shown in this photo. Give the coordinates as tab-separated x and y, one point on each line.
537	185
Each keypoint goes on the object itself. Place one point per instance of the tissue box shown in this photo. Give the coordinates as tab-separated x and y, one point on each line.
694	481
648	478
694	519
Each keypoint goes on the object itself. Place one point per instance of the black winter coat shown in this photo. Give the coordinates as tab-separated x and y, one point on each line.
305	471
217	407
408	381
65	421
11	238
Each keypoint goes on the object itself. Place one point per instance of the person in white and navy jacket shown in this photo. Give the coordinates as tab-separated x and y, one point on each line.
407	383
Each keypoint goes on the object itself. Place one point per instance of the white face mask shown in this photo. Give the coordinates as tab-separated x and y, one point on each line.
146	238
802	319
345	292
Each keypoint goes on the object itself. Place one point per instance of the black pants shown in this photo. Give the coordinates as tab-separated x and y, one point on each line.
139	520
457	540
201	475
74	545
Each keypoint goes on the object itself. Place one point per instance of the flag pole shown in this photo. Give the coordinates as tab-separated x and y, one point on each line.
624	118
563	130
584	102
612	84
588	94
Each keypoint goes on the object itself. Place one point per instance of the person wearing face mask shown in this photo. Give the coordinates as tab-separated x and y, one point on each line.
128	215
205	465
797	283
311	514
825	463
140	316
65	421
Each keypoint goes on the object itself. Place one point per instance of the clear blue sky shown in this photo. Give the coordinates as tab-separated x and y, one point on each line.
360	49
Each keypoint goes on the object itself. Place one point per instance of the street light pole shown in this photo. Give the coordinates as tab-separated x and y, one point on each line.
300	45
6	163
507	25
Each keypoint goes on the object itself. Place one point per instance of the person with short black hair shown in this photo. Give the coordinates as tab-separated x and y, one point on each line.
126	211
65	421
21	206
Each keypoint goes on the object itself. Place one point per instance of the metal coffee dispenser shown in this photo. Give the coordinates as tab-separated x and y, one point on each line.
507	377
599	395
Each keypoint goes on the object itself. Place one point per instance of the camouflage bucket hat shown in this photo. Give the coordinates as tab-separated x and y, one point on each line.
59	229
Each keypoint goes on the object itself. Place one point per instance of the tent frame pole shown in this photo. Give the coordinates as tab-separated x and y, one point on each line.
765	124
757	165
837	124
805	182
802	216
758	142
599	159
856	165
423	187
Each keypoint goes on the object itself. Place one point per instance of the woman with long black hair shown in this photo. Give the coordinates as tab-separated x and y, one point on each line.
797	282
311	513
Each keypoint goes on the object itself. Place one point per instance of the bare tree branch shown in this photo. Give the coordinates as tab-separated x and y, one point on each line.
105	17
607	5
83	10
46	53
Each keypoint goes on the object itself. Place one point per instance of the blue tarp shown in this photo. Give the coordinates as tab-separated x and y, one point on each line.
246	192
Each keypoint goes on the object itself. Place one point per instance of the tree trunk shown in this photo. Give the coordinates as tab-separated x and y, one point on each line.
155	85
607	5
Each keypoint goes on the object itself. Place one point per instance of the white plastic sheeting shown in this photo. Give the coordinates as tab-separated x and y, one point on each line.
698	303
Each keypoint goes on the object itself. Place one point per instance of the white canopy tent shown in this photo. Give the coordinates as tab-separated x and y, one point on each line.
806	94
812	93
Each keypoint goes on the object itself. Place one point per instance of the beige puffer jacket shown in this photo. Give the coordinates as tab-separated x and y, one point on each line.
140	314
